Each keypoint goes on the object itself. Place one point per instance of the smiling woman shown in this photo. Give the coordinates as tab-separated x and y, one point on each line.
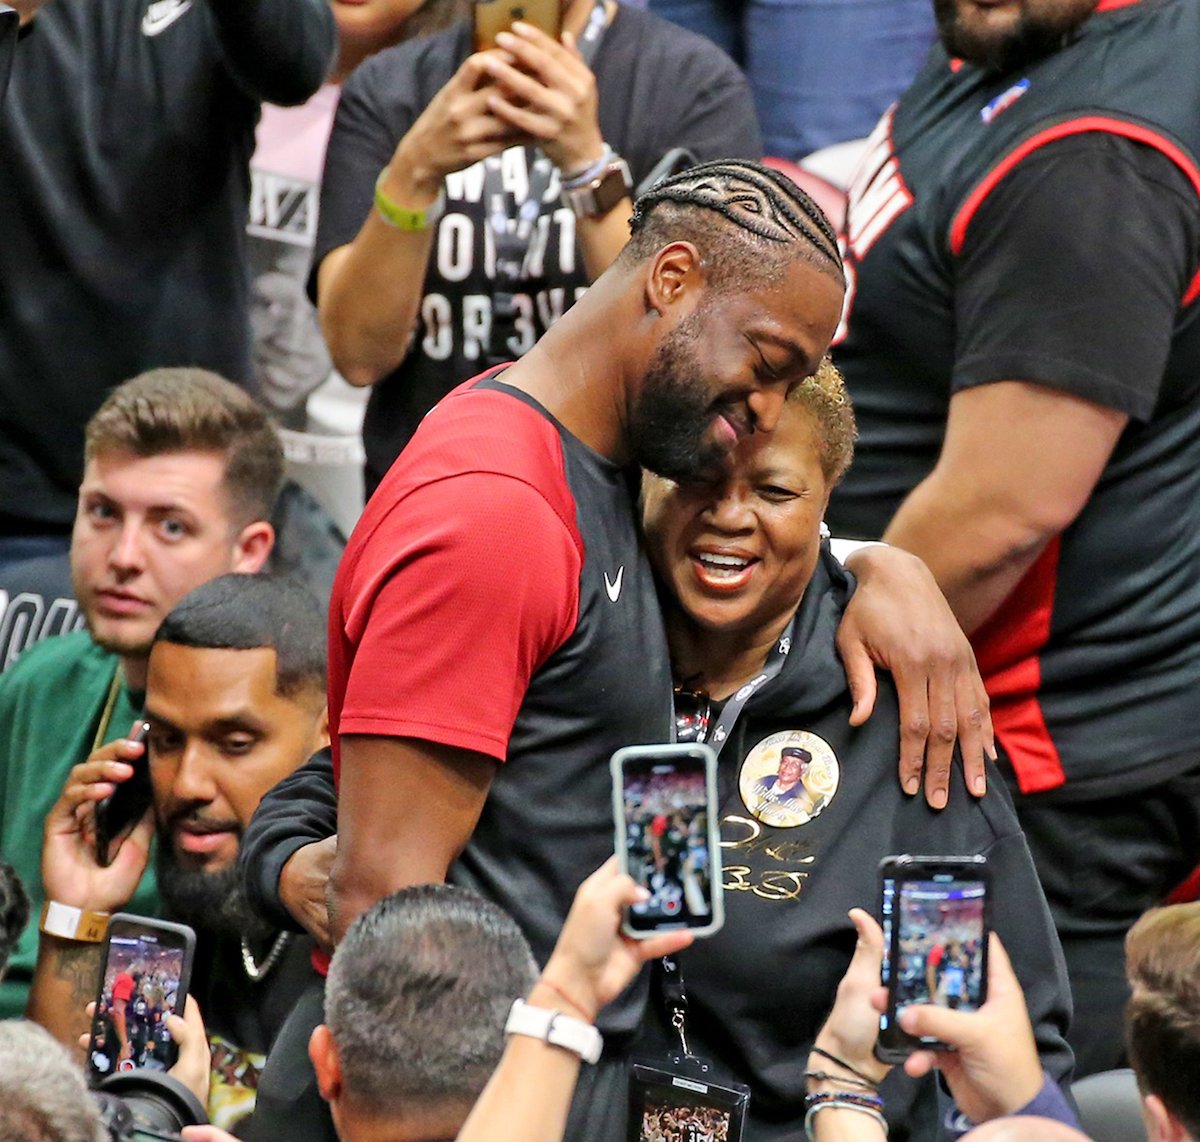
808	804
738	552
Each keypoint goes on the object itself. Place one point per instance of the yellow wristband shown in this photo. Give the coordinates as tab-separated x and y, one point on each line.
402	217
69	923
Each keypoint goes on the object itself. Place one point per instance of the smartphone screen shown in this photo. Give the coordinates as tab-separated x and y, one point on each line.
934	913
117	814
664	801
495	16
144	978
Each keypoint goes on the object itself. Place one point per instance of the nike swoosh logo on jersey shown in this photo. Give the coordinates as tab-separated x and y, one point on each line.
162	14
613	586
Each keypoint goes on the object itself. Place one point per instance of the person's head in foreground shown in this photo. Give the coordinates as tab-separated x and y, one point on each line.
43	1097
740	290
415	1005
235	699
1162	1020
738	549
181	471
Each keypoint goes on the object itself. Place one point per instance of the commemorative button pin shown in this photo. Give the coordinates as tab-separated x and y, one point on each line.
787	779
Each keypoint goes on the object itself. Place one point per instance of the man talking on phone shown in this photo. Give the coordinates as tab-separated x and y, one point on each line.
235	700
182	470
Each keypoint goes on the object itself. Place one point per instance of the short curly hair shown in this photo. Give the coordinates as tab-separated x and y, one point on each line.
825	397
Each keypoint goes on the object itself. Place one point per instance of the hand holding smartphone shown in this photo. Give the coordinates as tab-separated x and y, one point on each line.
495	16
936	916
667	839
125	806
144	977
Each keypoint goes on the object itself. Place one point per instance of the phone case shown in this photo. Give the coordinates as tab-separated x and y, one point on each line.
124	807
667	754
894	1045
128	925
495	16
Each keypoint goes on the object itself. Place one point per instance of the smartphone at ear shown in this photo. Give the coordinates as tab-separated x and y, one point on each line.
936	915
144	978
495	16
125	806
665	813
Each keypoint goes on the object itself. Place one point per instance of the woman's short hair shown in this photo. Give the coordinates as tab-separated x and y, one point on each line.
825	398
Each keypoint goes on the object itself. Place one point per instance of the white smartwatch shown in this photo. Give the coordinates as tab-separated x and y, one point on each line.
556	1029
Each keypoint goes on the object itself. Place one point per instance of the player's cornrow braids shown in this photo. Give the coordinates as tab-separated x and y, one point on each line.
752	196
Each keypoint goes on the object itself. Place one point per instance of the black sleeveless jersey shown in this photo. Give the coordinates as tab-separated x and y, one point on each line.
1093	661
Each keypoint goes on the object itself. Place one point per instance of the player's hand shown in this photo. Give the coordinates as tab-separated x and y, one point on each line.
458	128
995	1068
193	1067
899	620
593	962
206	1134
852	1026
302	888
71	874
548	93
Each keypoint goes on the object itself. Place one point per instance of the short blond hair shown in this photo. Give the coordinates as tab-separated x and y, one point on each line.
825	398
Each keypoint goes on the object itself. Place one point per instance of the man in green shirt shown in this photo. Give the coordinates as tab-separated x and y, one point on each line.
181	471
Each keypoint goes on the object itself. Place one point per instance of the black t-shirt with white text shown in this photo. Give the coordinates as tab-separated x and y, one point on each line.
659	87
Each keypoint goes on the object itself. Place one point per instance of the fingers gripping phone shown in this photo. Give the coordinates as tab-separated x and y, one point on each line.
125	806
495	16
144	978
936	915
665	813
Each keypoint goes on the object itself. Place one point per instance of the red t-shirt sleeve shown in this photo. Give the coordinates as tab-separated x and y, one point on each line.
455	611
123	987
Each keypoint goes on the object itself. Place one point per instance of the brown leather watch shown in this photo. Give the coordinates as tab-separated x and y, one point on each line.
596	197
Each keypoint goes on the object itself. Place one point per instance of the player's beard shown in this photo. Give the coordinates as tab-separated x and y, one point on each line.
214	903
674	412
1040	29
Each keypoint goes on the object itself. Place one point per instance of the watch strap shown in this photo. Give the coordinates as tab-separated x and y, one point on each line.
555	1028
596	196
405	217
69	923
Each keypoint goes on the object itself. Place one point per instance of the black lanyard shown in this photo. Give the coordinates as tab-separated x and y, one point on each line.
512	223
733	707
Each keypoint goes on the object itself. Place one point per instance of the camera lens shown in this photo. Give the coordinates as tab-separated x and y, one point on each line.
155	1101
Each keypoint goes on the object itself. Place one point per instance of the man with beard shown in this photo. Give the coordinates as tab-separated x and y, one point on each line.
235	700
1023	350
494	630
182	470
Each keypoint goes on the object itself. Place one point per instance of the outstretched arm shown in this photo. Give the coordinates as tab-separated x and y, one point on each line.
529	1094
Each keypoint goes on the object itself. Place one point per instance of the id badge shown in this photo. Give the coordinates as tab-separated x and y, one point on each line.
679	1100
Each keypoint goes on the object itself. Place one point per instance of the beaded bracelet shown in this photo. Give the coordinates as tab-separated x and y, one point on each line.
840	1105
845	1080
819	1098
